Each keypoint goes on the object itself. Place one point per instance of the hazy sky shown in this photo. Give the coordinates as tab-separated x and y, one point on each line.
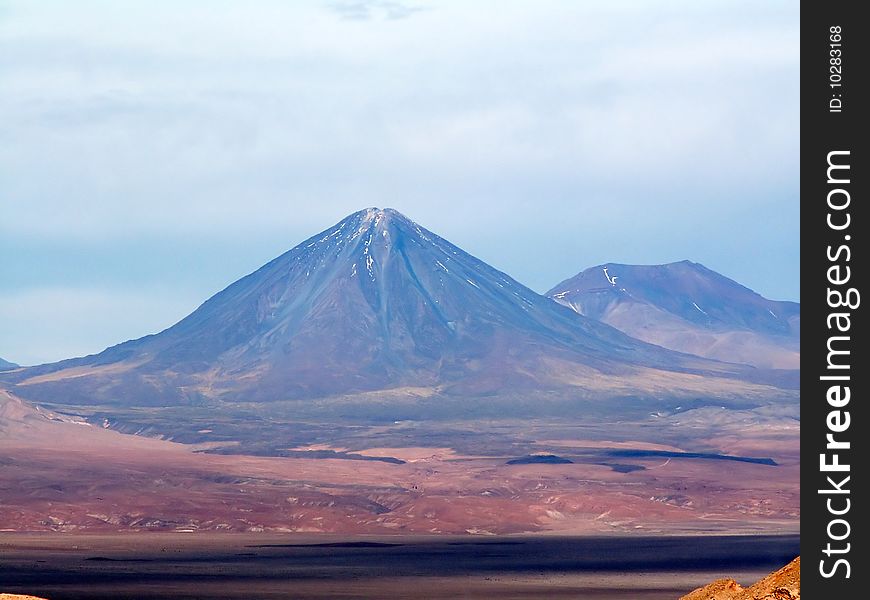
153	152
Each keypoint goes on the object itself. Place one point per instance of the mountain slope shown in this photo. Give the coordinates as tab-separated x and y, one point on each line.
376	302
6	365
687	307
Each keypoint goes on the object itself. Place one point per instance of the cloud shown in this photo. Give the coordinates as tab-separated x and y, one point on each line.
364	10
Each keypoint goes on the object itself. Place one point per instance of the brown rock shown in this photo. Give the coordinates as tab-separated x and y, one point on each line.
784	584
721	589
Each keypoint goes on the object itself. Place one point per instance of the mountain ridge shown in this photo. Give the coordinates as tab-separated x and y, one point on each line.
687	307
375	302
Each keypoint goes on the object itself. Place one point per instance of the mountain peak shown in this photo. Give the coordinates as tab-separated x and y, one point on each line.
379	217
364	243
373	215
374	211
370	221
374	302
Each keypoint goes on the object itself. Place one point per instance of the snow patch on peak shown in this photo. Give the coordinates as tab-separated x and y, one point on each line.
377	215
365	220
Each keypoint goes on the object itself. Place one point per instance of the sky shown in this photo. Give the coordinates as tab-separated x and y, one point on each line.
153	152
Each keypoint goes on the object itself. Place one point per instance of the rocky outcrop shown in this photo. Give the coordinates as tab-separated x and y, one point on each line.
721	589
784	584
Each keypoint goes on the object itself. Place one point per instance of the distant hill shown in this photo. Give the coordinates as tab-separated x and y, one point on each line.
6	365
687	307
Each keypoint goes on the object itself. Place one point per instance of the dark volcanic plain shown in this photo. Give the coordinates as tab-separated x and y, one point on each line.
180	566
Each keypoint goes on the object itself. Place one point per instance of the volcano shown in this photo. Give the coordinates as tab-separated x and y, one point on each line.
375	302
687	307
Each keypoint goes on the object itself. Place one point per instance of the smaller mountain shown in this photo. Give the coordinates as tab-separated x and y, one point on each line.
687	307
5	365
17	416
784	584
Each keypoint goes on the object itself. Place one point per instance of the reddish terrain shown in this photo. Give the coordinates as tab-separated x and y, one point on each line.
62	474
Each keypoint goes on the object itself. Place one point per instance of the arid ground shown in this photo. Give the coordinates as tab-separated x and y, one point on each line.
63	474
